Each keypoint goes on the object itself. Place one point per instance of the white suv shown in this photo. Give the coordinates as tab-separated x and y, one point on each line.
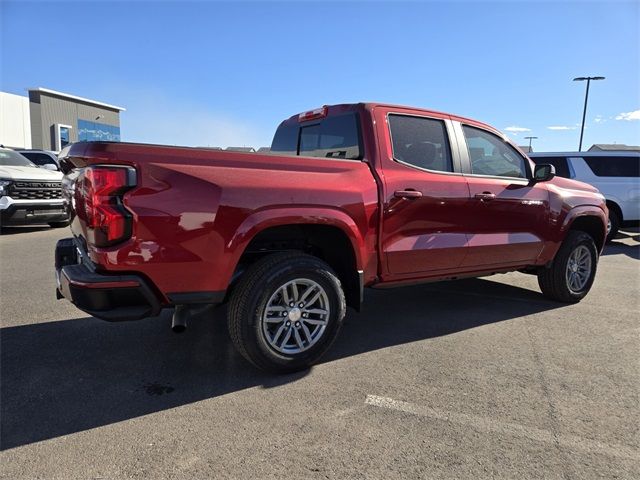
615	174
29	194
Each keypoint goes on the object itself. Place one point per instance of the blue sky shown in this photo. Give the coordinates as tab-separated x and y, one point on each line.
216	73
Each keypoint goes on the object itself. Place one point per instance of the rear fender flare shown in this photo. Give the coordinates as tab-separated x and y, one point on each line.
260	221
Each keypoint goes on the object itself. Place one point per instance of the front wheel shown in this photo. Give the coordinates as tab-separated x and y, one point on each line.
286	311
613	225
572	271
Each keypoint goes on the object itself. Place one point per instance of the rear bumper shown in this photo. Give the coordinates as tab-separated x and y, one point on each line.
108	297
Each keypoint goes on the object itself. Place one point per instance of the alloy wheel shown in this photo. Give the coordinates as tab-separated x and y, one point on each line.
296	316
579	268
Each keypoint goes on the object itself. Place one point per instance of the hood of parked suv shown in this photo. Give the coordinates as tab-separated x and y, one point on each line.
28	173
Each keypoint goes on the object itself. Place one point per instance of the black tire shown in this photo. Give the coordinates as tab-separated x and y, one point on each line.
615	224
249	300
553	281
59	224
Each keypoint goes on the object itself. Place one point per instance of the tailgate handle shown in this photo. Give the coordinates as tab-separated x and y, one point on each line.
408	194
485	196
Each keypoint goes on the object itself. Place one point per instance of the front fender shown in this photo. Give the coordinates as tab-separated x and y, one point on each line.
585	211
553	244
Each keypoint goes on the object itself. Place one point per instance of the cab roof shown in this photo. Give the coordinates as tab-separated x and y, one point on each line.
354	107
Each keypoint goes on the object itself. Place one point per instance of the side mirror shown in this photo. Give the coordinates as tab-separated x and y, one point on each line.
544	172
50	166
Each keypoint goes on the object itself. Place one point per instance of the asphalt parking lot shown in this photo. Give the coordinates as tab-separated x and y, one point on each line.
471	379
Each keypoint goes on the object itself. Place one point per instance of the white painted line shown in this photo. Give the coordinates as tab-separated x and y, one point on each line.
496	426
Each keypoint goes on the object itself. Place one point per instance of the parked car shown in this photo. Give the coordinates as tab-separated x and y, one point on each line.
42	158
615	174
350	196
29	194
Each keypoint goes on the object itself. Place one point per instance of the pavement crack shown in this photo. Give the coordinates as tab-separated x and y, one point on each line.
551	408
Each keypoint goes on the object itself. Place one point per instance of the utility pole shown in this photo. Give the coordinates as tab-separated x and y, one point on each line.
530	138
586	99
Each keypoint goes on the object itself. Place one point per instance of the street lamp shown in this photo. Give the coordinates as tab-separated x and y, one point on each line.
530	138
586	98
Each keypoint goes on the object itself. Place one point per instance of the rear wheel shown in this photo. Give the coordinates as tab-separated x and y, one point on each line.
573	270
286	311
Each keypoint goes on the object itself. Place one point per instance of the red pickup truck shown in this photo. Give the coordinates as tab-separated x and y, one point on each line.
350	196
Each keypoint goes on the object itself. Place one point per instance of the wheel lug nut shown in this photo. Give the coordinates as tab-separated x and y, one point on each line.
288	324
301	304
305	315
284	314
298	324
291	304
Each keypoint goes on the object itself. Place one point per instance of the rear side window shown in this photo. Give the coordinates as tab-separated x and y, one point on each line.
421	142
492	156
614	166
333	137
285	141
560	163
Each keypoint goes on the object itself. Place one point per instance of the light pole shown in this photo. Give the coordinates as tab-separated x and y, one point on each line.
586	98
530	138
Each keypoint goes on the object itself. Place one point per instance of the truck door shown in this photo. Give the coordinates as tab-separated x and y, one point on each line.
508	213
424	195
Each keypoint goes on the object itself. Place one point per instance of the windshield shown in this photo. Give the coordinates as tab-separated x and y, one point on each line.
39	158
9	158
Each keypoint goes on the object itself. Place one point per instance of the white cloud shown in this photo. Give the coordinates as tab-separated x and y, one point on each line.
599	119
177	125
152	116
629	116
561	127
517	129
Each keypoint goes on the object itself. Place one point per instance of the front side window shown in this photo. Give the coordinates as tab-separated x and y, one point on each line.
489	155
421	142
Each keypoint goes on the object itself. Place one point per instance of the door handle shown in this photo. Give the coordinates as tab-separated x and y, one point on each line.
408	194
485	196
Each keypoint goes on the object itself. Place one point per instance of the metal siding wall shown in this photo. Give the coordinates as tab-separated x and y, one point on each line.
67	112
36	120
87	112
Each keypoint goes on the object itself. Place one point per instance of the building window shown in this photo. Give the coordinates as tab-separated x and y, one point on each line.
62	136
89	131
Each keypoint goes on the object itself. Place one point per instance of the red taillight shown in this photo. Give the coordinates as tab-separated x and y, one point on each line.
313	114
106	218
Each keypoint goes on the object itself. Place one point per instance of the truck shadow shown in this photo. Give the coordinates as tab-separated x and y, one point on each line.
625	243
63	377
10	230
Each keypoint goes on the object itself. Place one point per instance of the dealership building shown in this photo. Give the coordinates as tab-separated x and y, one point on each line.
49	120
